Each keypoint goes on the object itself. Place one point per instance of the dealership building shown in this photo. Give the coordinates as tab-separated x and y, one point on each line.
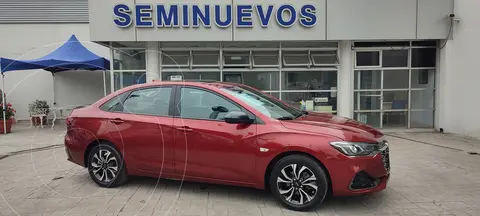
401	64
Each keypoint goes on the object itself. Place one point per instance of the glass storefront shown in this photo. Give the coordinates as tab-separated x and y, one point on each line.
394	82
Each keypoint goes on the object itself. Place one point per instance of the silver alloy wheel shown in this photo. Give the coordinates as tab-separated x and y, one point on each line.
105	165
297	186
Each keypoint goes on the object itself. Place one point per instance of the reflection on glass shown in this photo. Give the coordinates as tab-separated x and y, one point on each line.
372	119
368	79
266	81
368	58
422	57
422	119
395	119
395	100
191	76
395	79
423	78
367	100
309	80
124	79
129	59
395	58
314	101
423	99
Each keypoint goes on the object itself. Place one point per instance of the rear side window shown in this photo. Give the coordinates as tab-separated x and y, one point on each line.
112	104
151	101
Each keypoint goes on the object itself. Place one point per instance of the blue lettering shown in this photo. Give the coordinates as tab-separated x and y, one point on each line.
244	16
122	15
293	16
169	19
186	19
309	18
143	16
198	15
264	18
218	17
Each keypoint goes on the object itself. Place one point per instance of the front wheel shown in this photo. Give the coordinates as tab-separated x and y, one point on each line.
106	166
298	182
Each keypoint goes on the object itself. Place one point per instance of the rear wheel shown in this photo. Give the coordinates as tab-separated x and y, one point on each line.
298	182
106	166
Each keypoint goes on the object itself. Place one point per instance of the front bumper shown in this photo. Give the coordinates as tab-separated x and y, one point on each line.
360	175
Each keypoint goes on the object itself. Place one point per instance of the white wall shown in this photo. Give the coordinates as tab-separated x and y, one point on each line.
29	41
459	75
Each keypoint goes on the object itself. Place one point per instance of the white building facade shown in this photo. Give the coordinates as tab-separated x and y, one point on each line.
387	63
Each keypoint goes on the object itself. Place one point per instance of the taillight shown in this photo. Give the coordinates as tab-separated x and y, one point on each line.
69	122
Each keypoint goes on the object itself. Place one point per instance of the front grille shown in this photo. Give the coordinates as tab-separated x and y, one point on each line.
385	155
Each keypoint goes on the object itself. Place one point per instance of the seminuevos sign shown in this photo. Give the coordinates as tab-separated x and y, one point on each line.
176	16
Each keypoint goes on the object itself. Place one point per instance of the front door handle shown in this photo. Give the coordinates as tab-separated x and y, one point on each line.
184	128
116	121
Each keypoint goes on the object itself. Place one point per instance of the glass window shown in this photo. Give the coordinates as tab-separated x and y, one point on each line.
314	101
395	58
274	94
424	43
150	101
424	57
424	78
176	58
113	103
395	79
129	59
309	80
193	76
206	58
395	100
202	104
320	58
370	118
368	58
395	119
265	58
423	99
422	119
296	58
236	58
367	100
266	81
368	79
125	79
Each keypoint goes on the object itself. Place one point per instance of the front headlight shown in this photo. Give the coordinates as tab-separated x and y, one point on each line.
355	148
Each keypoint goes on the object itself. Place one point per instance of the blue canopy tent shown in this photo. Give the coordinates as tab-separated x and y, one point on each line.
72	55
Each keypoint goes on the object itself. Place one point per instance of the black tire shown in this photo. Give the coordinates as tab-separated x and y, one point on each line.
108	153
300	192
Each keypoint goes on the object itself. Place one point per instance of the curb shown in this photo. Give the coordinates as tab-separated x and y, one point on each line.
31	150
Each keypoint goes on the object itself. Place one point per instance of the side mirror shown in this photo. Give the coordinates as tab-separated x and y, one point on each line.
237	117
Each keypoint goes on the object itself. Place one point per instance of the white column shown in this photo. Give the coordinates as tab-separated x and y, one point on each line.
345	80
153	61
446	109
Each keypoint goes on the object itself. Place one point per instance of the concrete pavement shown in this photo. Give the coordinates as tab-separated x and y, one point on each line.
435	176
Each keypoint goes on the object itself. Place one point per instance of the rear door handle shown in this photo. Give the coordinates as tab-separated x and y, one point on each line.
184	128
116	121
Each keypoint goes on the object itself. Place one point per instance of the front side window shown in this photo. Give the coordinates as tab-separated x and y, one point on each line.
150	101
263	103
202	104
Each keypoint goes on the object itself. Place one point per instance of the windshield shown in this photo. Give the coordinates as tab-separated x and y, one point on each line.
263	103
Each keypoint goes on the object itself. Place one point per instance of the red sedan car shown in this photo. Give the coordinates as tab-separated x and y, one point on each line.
226	134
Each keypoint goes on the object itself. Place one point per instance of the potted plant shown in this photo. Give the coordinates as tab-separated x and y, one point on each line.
9	115
39	107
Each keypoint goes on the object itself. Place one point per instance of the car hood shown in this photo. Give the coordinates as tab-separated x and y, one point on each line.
340	127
